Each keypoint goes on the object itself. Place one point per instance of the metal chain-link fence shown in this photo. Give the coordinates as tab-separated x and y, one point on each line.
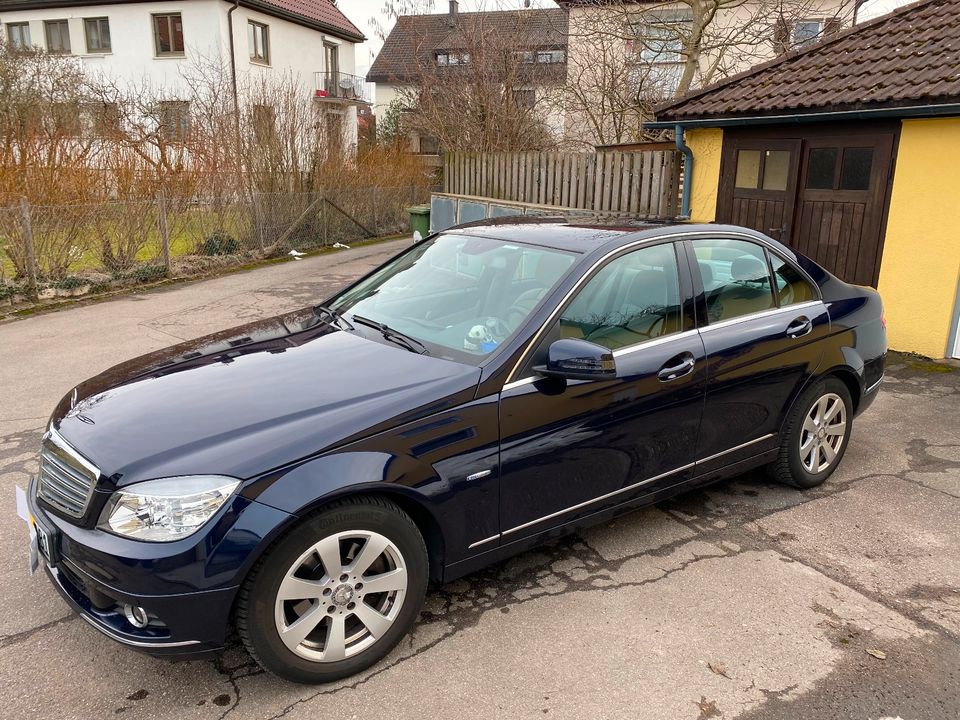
62	250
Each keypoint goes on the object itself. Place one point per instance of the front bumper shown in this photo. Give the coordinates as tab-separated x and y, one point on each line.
183	624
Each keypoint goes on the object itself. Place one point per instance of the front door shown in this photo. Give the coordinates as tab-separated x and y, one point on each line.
571	448
759	185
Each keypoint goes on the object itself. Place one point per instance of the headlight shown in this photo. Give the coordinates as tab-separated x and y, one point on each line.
167	509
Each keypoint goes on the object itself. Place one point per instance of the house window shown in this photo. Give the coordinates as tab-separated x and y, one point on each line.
258	38
660	36
65	119
453	58
527	57
168	34
174	120
525	98
103	119
806	31
97	31
548	57
58	36
18	35
264	124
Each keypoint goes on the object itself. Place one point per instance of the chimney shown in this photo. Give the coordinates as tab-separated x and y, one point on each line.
454	8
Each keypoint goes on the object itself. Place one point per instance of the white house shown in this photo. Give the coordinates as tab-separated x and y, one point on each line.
153	41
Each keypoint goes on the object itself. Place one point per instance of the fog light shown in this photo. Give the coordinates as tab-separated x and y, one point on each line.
136	616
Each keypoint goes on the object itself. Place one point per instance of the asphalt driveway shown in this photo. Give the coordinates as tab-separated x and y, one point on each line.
745	600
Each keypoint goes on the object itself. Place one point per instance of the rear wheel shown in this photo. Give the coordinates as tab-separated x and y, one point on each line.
336	593
815	436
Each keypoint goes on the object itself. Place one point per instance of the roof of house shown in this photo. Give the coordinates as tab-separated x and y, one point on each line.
323	15
908	58
415	39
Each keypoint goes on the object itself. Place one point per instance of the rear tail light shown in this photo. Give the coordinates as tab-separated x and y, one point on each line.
883	319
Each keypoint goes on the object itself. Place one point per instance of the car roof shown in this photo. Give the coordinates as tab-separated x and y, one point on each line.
587	237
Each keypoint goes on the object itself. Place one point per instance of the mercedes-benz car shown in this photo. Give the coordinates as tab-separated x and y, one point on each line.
303	479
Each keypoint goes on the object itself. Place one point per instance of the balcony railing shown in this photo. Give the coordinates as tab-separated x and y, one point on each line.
341	87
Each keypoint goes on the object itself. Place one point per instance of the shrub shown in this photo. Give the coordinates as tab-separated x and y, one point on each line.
218	243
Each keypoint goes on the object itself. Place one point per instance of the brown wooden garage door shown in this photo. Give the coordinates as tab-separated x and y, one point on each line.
823	190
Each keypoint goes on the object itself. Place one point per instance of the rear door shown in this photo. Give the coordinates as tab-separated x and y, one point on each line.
761	321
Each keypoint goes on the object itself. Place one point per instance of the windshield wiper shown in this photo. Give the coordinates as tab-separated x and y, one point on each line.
411	344
322	310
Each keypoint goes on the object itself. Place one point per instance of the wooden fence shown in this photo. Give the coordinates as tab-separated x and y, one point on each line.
644	184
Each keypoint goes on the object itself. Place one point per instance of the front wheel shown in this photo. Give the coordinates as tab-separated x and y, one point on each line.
815	435
336	593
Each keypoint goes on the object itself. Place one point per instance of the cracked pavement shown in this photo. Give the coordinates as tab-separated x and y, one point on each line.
742	600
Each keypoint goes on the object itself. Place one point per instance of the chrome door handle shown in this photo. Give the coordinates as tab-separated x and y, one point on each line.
678	370
800	327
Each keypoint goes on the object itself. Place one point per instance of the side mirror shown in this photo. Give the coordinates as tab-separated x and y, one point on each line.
578	360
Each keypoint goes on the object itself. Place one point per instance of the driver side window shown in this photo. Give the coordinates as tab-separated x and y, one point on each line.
634	298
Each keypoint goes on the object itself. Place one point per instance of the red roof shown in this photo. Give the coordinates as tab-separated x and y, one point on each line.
324	12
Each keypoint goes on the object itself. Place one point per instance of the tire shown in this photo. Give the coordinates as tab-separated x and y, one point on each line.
347	624
811	450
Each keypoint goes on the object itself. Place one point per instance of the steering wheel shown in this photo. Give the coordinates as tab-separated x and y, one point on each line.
523	306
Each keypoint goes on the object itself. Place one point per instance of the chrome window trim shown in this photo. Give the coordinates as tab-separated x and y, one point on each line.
772	312
874	386
734	449
675	237
662	340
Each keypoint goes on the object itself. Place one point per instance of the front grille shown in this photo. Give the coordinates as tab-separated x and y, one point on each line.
66	479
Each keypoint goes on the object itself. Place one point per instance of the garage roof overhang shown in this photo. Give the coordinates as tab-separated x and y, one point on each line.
909	111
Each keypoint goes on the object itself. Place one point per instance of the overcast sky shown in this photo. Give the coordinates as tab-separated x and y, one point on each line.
362	12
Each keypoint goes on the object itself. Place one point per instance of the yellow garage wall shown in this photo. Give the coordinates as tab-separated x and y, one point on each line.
921	250
707	145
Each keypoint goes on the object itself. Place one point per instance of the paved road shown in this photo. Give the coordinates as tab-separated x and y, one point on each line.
745	600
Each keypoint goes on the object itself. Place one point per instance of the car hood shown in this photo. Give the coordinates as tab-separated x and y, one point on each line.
251	399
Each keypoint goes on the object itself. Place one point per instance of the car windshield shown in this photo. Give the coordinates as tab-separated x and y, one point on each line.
460	296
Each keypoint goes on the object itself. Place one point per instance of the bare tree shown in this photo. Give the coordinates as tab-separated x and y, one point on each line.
483	89
626	57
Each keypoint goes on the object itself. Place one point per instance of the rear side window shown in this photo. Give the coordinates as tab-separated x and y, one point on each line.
736	279
791	287
634	298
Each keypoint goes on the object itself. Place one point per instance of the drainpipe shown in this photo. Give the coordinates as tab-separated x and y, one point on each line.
687	171
233	60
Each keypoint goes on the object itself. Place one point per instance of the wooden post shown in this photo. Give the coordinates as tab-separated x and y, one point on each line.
28	249
164	232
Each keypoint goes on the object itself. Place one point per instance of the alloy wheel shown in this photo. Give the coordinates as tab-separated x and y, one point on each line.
823	433
341	596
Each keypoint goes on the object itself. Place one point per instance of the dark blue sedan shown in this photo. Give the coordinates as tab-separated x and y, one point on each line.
304	478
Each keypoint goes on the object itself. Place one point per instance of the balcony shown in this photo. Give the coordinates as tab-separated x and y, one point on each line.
341	87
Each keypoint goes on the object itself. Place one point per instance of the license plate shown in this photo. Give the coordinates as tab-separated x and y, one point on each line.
43	543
